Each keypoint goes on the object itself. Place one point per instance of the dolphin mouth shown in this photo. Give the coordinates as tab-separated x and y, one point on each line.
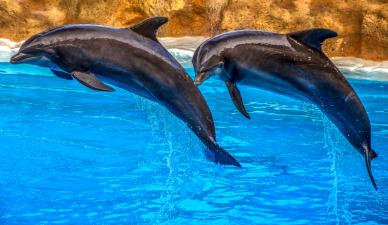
22	57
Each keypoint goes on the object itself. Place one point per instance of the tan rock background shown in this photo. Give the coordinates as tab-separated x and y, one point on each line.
362	24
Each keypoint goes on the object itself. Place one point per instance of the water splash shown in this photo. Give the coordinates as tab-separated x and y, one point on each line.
331	143
182	153
345	167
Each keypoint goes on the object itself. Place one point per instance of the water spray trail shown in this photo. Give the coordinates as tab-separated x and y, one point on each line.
333	198
176	142
338	202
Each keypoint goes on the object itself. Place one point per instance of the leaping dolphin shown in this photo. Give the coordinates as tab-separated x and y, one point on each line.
291	64
129	58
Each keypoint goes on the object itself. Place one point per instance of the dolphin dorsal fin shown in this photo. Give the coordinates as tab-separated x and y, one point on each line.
314	37
149	27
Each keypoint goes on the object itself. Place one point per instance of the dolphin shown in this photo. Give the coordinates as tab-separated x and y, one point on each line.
290	64
131	59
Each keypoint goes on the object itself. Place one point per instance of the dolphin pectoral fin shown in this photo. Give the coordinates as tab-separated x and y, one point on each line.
314	37
90	80
62	75
221	156
368	158
236	98
149	27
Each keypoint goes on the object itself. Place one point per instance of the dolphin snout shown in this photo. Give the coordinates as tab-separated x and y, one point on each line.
199	78
20	58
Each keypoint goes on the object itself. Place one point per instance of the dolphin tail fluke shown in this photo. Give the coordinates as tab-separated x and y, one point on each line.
219	155
368	157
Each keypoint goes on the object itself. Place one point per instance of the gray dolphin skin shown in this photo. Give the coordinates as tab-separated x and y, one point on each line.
131	59
290	64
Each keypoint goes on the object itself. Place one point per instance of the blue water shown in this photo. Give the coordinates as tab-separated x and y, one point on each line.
71	155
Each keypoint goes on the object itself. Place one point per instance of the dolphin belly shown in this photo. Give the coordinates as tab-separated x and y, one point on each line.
324	87
270	81
123	81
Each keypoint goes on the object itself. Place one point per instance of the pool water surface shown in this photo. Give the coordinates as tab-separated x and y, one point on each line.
71	155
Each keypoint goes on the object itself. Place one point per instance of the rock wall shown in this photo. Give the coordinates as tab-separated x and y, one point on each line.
362	24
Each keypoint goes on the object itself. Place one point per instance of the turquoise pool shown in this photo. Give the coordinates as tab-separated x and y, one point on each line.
70	155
